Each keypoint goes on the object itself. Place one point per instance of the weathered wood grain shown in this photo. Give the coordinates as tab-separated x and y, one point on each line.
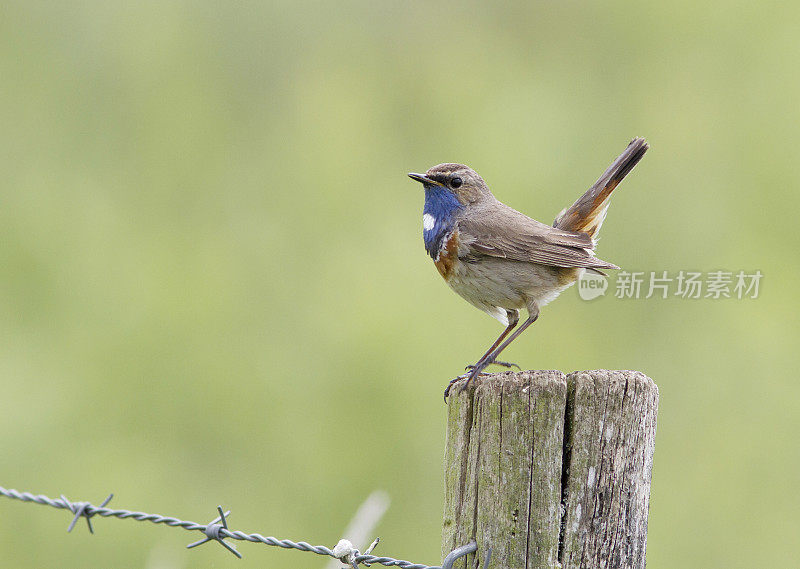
551	470
503	468
610	440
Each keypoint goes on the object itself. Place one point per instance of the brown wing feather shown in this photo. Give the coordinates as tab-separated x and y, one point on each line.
500	231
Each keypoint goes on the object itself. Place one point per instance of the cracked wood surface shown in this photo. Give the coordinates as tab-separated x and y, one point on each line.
551	470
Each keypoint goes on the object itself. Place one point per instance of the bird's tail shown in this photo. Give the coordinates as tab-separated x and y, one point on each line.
587	214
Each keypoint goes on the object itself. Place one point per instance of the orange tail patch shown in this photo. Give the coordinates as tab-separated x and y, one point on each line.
589	211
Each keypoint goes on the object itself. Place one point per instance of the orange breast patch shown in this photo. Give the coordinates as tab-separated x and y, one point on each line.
448	256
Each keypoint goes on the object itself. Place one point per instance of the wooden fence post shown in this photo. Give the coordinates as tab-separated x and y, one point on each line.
551	470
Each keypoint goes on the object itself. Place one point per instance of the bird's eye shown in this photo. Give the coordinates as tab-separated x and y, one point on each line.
456	182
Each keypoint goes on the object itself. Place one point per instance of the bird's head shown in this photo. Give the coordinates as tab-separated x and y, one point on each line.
461	181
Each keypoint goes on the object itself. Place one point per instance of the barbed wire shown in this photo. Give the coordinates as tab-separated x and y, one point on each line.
217	530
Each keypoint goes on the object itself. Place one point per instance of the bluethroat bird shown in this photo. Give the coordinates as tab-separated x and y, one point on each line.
500	260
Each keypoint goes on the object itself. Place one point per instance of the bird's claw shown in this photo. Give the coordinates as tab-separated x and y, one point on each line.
453	382
509	365
473	373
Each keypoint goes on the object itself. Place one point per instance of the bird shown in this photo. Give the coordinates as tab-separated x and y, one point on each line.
502	261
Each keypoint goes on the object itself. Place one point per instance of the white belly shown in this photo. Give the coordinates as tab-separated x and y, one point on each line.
495	285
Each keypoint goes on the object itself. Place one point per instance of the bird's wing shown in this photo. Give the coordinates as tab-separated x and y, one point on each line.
501	231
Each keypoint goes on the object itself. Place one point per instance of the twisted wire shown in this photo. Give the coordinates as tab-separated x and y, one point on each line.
90	510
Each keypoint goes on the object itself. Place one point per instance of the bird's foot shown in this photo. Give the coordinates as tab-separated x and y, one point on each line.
509	365
453	382
474	372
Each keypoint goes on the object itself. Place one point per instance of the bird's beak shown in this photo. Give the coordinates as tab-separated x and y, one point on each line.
422	178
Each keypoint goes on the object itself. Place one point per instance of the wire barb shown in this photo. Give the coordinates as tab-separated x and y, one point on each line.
372	546
83	509
217	532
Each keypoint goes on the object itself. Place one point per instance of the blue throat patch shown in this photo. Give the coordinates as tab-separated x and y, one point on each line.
443	206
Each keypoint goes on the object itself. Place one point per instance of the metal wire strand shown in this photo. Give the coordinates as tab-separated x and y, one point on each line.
215	531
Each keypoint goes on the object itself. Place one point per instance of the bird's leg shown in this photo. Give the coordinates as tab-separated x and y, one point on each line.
533	314
513	319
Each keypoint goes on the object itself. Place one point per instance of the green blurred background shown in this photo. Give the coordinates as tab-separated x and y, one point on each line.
214	290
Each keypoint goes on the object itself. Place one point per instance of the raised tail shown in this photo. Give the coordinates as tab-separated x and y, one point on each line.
587	214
